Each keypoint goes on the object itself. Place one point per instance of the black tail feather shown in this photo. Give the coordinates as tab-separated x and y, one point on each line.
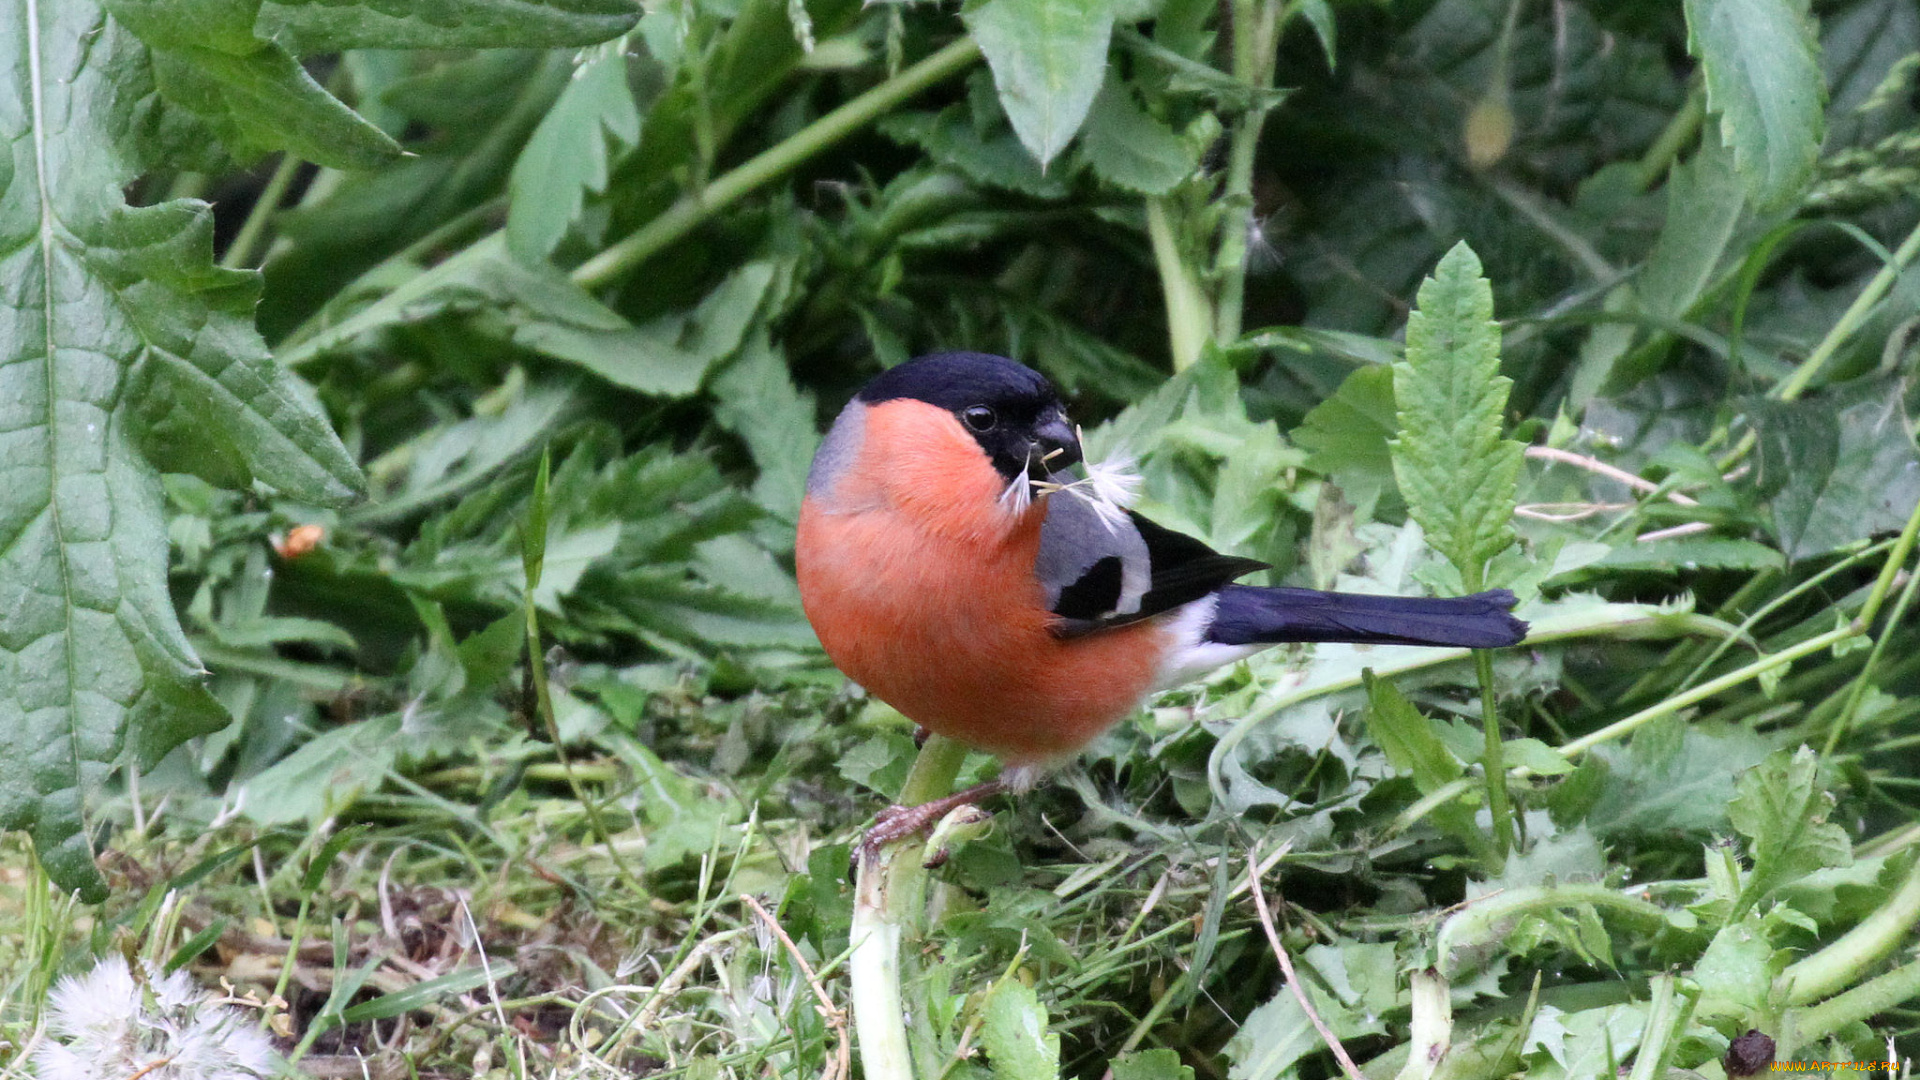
1249	614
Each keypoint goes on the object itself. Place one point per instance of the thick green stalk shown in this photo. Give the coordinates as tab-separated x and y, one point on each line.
1868	999
889	888
695	208
1189	316
1868	943
1256	30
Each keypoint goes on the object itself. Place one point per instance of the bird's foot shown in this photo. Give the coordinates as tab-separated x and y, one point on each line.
897	823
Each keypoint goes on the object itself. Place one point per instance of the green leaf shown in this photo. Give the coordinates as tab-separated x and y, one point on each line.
1762	63
669	357
1736	972
1671	778
1407	738
1348	436
226	25
320	26
114	308
1130	149
326	775
1840	467
1780	808
1411	745
1160	1063
1272	1038
1457	473
1049	58
1014	1031
569	154
251	92
422	994
1704	204
754	397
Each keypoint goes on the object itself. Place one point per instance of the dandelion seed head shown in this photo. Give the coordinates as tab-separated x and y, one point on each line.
162	1027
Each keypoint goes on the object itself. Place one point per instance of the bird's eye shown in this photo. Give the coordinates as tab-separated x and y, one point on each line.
980	417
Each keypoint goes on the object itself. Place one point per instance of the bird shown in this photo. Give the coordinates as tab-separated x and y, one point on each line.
953	565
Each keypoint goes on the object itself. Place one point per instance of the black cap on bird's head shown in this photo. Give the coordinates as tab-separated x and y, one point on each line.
1011	410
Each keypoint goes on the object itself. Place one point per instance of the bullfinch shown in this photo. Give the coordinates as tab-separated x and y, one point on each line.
952	566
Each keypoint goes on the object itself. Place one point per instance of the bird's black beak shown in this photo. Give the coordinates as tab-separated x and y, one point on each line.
1056	446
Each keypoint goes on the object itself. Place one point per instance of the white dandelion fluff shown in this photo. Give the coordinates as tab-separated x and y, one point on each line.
1111	486
160	1027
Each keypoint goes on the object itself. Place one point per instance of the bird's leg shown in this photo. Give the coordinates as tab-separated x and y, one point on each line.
899	822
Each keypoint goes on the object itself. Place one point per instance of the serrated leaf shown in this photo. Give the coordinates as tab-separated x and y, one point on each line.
1780	808
1130	149
1762	63
1735	973
319	26
1412	746
1459	476
251	92
1671	778
569	155
1841	467
105	303
755	398
1014	1031
1049	58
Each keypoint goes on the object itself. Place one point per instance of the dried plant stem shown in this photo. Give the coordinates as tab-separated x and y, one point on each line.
1293	981
835	1018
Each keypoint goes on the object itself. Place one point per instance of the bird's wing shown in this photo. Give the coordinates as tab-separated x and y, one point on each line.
1101	567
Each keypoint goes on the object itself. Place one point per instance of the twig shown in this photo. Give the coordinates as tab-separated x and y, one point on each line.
1688	529
1293	981
835	1017
1595	465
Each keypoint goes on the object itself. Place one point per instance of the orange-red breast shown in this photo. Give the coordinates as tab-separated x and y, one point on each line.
946	570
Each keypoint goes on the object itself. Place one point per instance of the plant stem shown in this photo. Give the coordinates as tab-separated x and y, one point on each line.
1851	319
1256	29
1189	321
694	208
1860	948
1872	997
1888	572
1890	569
888	887
1796	384
1708	689
1672	139
1494	761
240	252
